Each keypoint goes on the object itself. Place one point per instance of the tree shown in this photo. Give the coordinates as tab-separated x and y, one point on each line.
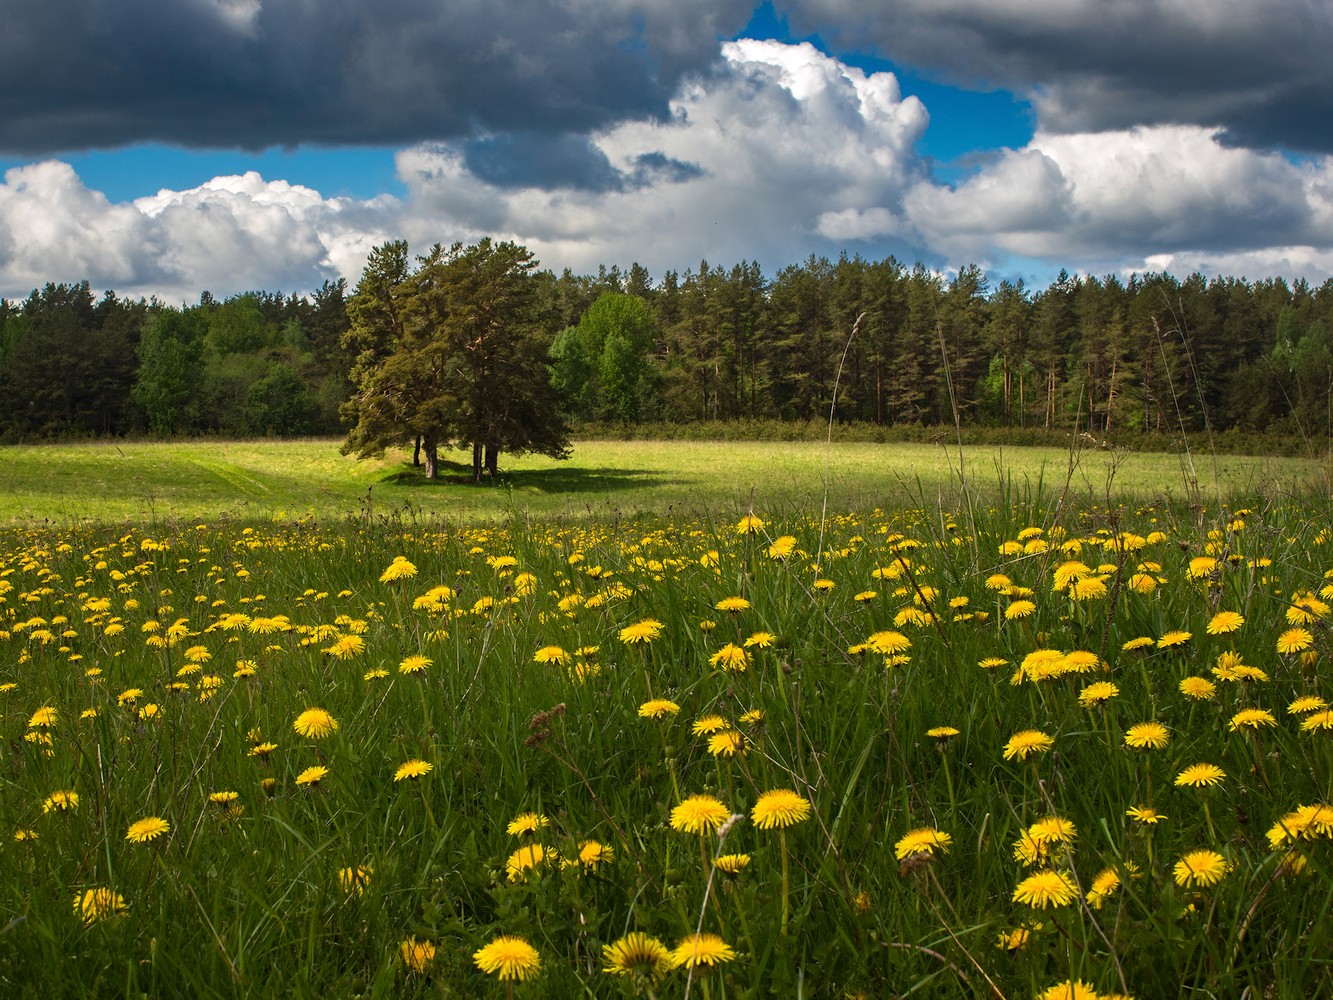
451	352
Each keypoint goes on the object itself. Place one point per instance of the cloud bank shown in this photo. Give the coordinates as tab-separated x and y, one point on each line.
772	153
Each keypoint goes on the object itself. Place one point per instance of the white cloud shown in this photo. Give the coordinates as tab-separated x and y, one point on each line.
229	234
1131	195
793	152
779	153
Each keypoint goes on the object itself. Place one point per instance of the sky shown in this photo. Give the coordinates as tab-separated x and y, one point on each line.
227	145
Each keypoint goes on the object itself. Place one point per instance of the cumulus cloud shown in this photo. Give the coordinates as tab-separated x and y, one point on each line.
228	235
1259	69
775	153
779	152
80	74
1133	198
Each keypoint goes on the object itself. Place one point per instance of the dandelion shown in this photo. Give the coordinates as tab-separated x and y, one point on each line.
1070	989
1251	718
1146	815
779	808
699	814
508	957
399	569
1029	741
749	525
701	949
551	654
782	547
526	824
1198	688
942	733
312	776
144	830
62	801
416	955
1317	720
708	724
1307	703
592	853
658	708
1147	736
1046	888
1202	868
761	639
726	744
315	724
1225	622
888	643
1097	694
99	903
523	860
44	718
412	770
641	632
1104	883
922	842
732	604
731	865
1294	640
1019	609
355	880
730	657
262	750
414	664
1174	638
637	955
1200	776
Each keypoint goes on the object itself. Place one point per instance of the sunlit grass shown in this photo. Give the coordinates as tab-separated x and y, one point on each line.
265	480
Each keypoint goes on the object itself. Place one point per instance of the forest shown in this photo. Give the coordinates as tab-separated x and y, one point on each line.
904	346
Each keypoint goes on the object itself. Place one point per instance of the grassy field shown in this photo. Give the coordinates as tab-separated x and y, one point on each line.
1016	748
263	480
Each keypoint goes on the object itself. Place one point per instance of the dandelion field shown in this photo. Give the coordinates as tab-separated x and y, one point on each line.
1025	748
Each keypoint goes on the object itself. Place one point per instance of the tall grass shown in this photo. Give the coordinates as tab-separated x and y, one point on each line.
247	899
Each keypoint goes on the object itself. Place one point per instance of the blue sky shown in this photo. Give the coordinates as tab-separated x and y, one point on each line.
233	144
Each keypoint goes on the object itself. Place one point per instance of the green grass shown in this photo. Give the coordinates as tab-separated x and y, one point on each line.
263	480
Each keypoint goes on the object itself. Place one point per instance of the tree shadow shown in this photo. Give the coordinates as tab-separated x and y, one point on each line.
565	479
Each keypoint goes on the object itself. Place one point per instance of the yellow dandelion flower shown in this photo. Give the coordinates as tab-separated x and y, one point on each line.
1070	989
761	639
1200	868
778	809
1104	883
149	828
641	632
1019	609
1177	637
731	865
658	708
345	647
1200	776
523	860
62	801
942	733
412	770
414	664
730	657
1224	622
551	654
727	743
315	724
1146	815
637	955
701	949
732	604
749	525
924	841
699	814
705	725
44	717
1294	640
782	547
416	955
526	824
312	776
592	853
99	903
508	957
1046	888
1029	741
1317	720
1198	688
1252	718
1147	736
355	880
1308	703
399	569
1097	694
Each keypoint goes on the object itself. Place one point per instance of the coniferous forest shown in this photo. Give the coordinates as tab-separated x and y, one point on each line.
905	347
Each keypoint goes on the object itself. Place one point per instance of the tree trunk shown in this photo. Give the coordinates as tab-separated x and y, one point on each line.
432	459
493	460
477	451
416	454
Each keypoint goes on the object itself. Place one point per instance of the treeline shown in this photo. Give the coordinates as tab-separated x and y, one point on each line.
903	346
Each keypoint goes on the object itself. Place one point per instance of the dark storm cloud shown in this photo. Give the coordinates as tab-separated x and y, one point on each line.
570	161
80	74
1258	69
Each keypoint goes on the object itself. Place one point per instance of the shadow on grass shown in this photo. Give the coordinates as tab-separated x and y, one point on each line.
562	480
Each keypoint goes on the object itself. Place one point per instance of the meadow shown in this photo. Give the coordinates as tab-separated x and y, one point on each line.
1061	733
